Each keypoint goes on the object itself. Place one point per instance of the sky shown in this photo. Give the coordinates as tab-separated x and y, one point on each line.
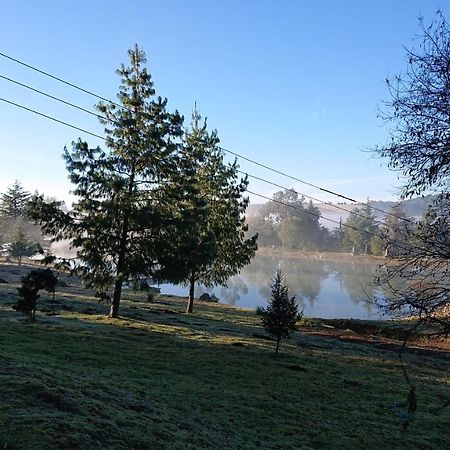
295	85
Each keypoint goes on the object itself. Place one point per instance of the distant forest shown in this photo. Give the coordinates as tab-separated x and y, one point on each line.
381	228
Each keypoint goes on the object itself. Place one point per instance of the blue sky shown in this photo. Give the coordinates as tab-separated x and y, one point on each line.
292	84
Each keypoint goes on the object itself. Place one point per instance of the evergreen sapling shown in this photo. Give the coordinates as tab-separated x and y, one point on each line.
281	315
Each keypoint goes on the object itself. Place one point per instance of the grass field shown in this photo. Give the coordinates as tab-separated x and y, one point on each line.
158	378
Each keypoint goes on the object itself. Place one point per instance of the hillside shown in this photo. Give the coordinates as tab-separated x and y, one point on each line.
159	378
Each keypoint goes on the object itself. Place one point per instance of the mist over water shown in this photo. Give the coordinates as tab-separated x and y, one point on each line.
62	249
323	288
329	289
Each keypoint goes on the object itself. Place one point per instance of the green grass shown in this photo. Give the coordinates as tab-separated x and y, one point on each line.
161	379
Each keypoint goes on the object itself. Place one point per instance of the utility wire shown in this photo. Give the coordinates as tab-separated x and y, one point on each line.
113	121
311	213
318	216
279	172
54	77
304	195
52	118
65	102
221	148
307	183
99	116
101	137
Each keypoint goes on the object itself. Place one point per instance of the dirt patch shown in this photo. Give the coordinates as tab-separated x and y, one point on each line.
436	348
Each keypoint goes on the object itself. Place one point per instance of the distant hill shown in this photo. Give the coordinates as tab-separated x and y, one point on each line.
413	208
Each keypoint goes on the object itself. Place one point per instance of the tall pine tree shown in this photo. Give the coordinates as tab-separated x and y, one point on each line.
119	207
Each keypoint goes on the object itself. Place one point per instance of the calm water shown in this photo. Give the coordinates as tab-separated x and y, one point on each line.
327	289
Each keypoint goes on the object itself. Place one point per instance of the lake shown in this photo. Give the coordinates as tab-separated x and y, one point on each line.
323	288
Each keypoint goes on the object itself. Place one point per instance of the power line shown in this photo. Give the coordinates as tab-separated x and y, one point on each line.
110	120
54	77
65	102
311	213
101	137
117	123
302	194
307	183
279	172
51	118
303	210
72	105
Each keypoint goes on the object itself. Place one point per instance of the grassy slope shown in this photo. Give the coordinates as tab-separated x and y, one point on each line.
159	378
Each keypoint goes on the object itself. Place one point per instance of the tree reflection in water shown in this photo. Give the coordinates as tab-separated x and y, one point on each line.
358	280
303	276
324	288
229	294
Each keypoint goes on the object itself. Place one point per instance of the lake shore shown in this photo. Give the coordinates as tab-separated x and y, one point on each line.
332	256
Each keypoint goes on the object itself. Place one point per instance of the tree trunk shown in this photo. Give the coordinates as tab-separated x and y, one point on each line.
190	305
278	346
114	311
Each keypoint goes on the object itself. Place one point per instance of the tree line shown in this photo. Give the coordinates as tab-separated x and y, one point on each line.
288	222
19	235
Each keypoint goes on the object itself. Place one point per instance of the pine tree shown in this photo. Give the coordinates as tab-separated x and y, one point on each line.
22	246
13	202
281	315
207	242
120	205
32	283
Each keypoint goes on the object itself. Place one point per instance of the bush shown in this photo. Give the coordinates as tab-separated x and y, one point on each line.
152	294
32	283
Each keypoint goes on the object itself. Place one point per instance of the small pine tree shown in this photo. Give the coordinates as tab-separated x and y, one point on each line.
22	246
281	314
13	202
32	283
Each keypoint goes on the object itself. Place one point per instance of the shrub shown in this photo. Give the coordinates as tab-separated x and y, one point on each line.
152	293
32	283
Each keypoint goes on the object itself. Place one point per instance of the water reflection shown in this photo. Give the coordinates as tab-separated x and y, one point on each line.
230	294
328	289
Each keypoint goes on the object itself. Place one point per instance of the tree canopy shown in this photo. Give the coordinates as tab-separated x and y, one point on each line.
360	228
288	220
418	112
